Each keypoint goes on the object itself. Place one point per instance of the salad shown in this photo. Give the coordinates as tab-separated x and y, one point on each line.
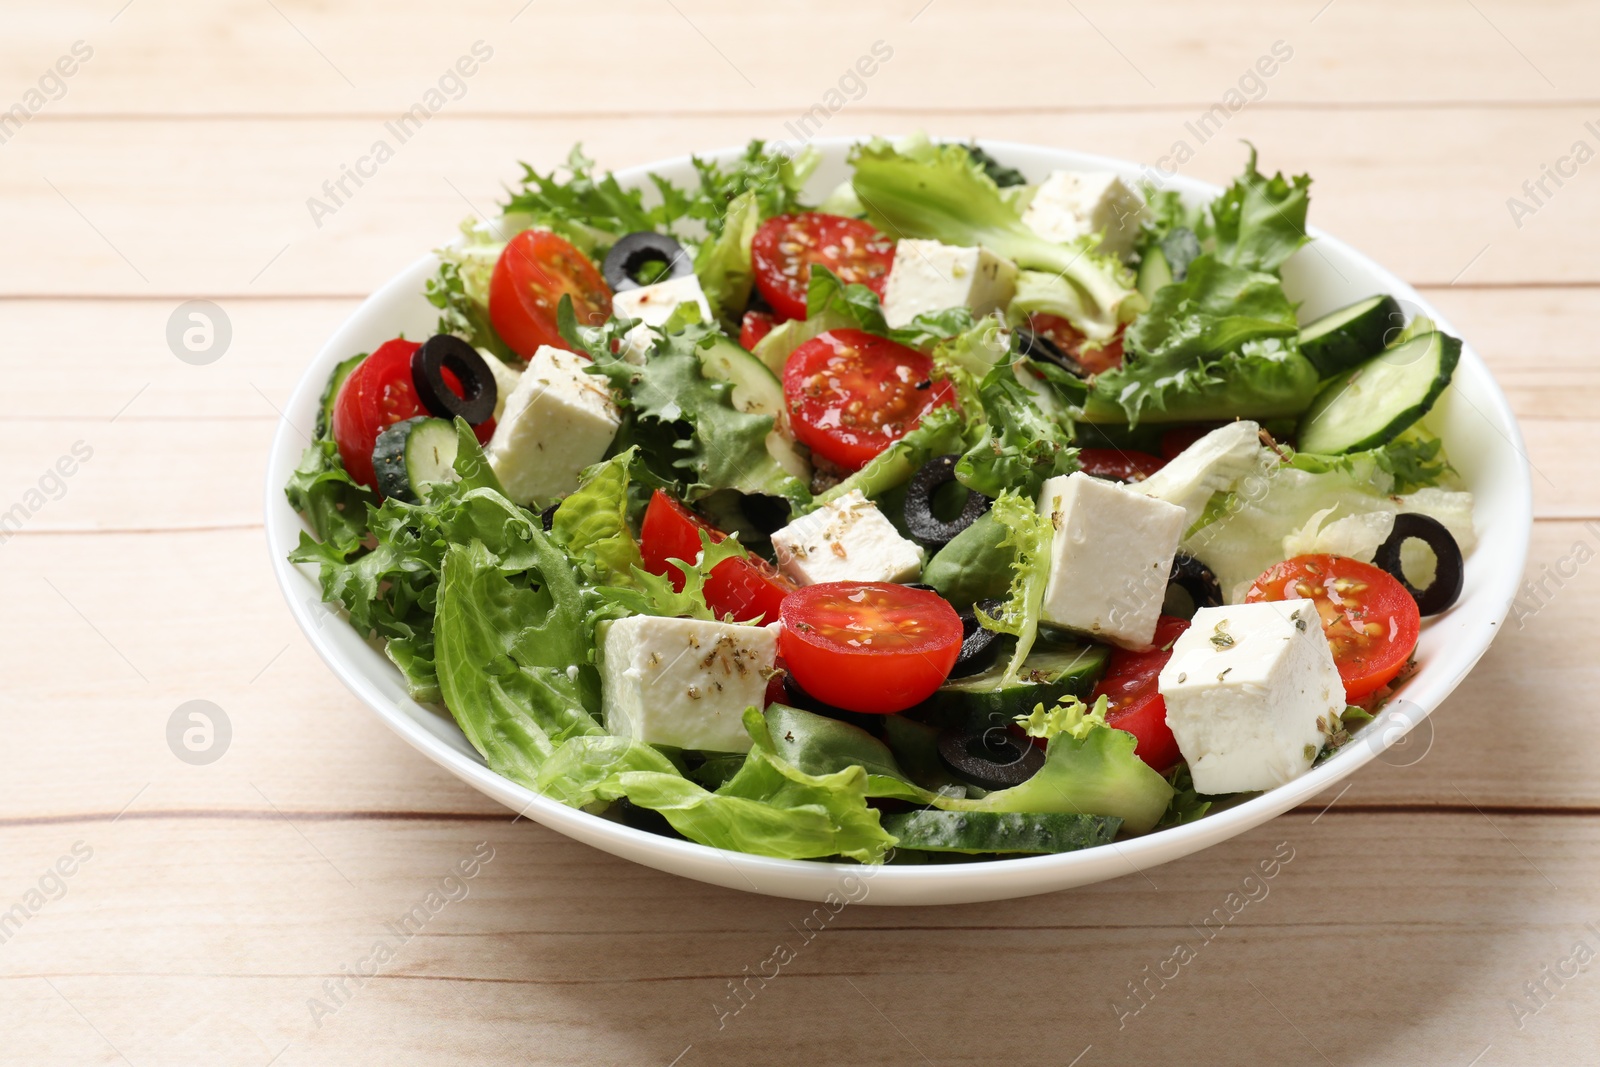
956	515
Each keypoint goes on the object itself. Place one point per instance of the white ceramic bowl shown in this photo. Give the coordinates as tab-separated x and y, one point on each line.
1474	419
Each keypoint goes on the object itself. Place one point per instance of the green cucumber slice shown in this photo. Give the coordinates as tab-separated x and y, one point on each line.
993	831
1154	271
1049	673
1341	339
1380	399
757	391
413	454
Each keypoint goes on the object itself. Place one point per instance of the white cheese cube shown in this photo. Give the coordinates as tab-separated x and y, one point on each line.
1252	694
1110	557
558	420
1070	204
929	276
653	305
505	380
685	682
847	540
1213	464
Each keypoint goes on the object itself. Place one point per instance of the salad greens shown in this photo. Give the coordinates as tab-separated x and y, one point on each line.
502	613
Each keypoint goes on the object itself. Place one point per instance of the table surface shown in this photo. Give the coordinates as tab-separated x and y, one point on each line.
1438	910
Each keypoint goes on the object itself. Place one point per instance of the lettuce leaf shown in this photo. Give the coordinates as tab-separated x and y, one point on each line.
1095	774
769	807
515	659
1020	446
1258	221
919	189
320	489
591	524
1220	344
390	591
684	424
1028	537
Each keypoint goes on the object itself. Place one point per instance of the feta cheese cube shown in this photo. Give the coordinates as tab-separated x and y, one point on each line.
653	305
1070	204
1110	557
505	380
685	682
847	540
558	420
929	276
1252	694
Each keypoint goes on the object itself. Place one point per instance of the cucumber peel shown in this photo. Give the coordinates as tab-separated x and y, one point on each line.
1380	399
994	831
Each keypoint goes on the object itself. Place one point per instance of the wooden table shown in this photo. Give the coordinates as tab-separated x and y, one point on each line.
214	914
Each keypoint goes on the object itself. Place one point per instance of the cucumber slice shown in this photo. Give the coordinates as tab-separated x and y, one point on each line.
1341	339
757	391
414	454
993	831
1049	673
1380	399
1154	272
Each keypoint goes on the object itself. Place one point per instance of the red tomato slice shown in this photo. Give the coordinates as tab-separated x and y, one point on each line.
1072	341
786	246
871	647
1371	621
851	394
376	395
744	588
1118	465
756	325
534	272
1135	702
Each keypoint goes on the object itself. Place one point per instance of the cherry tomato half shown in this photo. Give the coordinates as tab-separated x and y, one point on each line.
1135	703
1175	440
378	393
534	272
871	647
744	588
1118	465
851	394
1371	621
786	246
756	325
1071	340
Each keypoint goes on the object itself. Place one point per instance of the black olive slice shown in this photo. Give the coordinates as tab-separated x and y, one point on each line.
768	514
1039	347
1196	579
1448	575
448	352
931	532
796	697
632	253
992	758
978	645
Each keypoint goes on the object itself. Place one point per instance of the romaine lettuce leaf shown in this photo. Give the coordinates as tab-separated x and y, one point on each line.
769	807
514	653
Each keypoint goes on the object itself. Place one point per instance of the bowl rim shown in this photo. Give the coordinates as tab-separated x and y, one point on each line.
807	879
